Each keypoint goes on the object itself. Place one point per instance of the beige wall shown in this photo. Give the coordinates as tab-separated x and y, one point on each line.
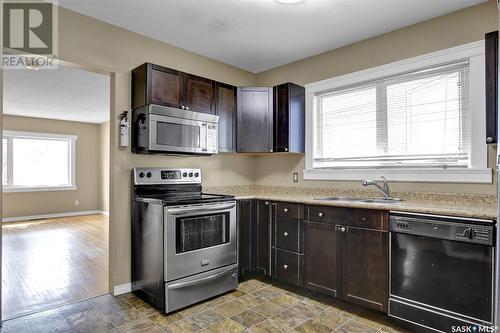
89	42
104	166
88	167
454	29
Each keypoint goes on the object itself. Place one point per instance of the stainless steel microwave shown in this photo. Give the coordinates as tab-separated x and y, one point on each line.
158	129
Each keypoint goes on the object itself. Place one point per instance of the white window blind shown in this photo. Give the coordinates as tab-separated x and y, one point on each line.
416	119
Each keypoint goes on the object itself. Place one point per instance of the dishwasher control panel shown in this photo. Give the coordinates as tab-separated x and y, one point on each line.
450	228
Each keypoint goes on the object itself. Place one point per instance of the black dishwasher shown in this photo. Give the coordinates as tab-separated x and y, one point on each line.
441	271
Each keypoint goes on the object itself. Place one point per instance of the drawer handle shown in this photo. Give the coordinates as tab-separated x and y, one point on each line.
363	219
321	214
285	234
285	266
342	229
266	203
285	210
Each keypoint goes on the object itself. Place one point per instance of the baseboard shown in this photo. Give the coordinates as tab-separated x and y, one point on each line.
122	289
105	212
50	216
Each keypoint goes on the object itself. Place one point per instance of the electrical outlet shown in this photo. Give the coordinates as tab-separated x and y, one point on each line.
77	202
295	177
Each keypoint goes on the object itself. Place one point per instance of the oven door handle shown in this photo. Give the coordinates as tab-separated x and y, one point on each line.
208	209
200	280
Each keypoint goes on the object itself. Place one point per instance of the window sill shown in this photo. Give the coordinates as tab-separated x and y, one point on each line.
474	175
39	189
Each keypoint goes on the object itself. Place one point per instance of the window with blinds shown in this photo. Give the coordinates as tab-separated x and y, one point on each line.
417	119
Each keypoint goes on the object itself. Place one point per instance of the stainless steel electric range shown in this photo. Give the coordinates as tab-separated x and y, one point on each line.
183	240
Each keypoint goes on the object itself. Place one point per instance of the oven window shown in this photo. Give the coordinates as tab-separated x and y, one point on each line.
198	232
171	134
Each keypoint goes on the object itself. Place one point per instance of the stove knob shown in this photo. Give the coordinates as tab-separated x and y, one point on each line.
196	174
190	174
149	175
141	175
185	174
469	233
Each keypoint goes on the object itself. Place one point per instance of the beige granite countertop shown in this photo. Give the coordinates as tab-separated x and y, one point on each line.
453	204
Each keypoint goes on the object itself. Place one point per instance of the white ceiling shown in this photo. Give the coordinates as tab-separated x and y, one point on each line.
65	93
256	35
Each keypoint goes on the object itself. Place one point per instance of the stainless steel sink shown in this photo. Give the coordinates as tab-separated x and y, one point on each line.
374	200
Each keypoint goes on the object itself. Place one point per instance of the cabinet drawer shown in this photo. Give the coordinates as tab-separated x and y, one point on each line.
289	209
367	218
288	267
288	234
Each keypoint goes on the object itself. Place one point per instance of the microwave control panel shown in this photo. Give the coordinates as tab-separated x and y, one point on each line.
212	142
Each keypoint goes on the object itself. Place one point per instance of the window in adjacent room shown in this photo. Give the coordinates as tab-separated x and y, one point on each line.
38	161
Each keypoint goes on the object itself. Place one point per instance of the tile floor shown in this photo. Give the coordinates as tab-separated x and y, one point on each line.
255	307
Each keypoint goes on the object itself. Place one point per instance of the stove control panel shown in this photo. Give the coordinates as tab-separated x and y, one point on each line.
145	176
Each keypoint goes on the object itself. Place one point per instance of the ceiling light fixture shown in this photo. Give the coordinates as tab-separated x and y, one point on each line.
288	2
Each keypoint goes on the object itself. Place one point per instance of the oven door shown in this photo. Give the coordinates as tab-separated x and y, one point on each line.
432	276
199	238
173	134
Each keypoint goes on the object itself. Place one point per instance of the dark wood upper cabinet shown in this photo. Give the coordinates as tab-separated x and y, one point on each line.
289	118
365	276
491	77
225	108
198	93
320	257
153	84
254	115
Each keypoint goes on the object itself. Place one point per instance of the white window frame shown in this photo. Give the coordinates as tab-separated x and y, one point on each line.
477	173
33	135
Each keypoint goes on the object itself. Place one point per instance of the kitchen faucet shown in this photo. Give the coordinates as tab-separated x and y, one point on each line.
384	188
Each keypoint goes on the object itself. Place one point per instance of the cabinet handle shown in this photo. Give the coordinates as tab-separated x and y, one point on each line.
183	107
489	139
285	210
363	219
285	234
285	266
187	107
343	229
320	214
266	203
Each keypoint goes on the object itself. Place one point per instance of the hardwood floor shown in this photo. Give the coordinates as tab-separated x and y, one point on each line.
52	262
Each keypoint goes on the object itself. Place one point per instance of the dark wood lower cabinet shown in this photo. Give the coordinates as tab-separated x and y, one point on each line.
246	218
365	267
320	257
288	267
263	238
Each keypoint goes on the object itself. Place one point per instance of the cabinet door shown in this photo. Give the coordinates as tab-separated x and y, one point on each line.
365	267
244	226
198	94
225	107
491	77
254	119
165	87
320	258
289	118
263	238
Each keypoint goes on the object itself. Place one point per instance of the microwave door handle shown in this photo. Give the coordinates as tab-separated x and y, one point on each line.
203	137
